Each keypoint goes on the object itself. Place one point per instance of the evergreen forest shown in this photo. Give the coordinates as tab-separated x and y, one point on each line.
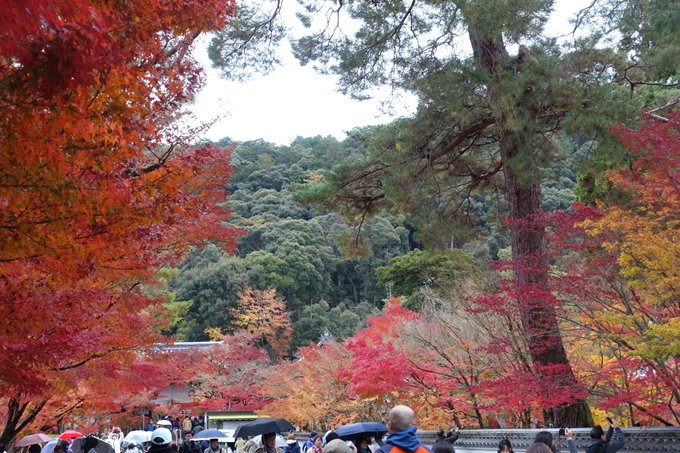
327	269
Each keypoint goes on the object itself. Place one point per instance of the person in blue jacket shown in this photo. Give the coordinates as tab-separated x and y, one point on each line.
402	434
292	445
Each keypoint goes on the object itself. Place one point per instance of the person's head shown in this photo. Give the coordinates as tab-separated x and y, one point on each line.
545	438
361	443
399	418
443	447
269	440
332	436
114	436
161	436
35	448
317	441
440	432
504	446
313	434
64	445
57	449
337	446
539	447
214	443
597	433
188	435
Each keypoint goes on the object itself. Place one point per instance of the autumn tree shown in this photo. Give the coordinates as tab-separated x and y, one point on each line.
260	312
315	389
619	278
99	187
226	376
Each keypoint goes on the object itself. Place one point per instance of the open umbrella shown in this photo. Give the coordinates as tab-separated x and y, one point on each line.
70	435
364	429
280	441
208	434
49	446
164	423
263	426
39	438
102	447
138	437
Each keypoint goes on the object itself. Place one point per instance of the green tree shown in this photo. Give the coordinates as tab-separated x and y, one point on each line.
210	279
341	322
440	268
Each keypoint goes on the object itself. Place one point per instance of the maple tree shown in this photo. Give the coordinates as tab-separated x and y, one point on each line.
259	311
619	278
315	389
225	376
99	187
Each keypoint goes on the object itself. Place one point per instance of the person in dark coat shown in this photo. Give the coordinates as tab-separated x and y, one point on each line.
189	445
611	442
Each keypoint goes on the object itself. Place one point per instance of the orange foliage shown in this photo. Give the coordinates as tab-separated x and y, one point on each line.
315	389
259	311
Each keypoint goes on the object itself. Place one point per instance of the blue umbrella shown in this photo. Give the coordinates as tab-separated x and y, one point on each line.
364	429
208	434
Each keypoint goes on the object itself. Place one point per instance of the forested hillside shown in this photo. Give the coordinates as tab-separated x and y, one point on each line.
321	265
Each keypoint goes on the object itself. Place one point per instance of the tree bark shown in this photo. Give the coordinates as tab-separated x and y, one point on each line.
528	240
14	422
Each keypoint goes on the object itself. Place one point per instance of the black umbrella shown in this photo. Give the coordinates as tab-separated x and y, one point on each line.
365	429
102	447
262	426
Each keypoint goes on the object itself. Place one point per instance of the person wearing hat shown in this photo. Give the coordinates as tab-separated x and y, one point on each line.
214	447
292	445
337	446
161	438
310	441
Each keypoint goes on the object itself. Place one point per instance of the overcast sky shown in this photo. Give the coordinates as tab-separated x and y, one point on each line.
296	101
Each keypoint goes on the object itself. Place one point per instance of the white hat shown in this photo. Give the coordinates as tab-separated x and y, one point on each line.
161	436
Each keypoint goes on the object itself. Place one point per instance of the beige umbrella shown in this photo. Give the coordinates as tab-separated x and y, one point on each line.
39	438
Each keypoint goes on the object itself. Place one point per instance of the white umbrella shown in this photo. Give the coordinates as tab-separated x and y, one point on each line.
49	446
280	441
137	437
164	423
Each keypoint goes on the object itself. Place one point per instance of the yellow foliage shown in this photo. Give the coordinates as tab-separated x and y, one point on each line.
214	333
259	311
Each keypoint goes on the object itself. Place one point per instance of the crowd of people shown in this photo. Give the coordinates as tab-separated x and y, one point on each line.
600	442
401	438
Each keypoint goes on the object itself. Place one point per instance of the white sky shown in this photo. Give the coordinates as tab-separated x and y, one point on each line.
296	101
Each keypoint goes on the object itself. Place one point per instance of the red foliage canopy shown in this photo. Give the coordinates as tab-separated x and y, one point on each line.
99	187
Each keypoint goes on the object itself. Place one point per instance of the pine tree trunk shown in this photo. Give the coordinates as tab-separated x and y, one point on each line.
524	200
